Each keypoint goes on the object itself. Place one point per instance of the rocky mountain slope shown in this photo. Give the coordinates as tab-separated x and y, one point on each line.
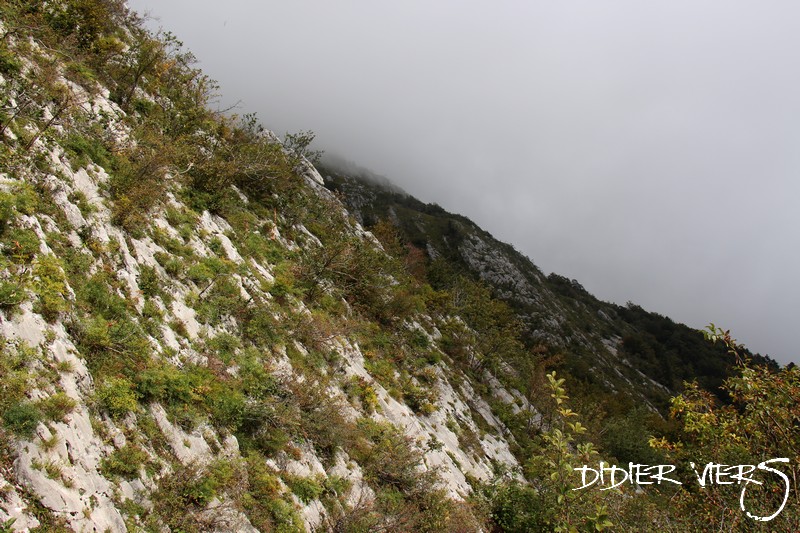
198	335
195	333
621	349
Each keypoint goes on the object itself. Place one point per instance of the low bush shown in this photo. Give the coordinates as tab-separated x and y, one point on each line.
124	462
57	406
260	326
51	288
20	245
172	265
200	274
112	347
420	400
10	65
7	214
224	345
149	281
182	496
117	396
264	504
22	418
223	299
85	150
305	488
358	387
16	374
78	198
387	455
12	293
96	296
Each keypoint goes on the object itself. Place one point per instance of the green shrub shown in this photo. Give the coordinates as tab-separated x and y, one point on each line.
76	263
57	406
358	387
179	218
143	107
263	481
224	345
124	462
81	73
387	455
165	384
336	485
420	400
117	396
15	372
223	299
7	213
383	371
226	408
427	375
26	199
50	287
20	245
10	65
215	244
172	265
138	181
626	438
191	393
112	347
96	296
179	327
93	336
284	283
285	517
265	439
305	488
514	506
79	198
149	281
86	150
22	418
263	503
200	274
171	244
151	311
257	246
218	266
269	413
182	495
260	326
12	293
418	339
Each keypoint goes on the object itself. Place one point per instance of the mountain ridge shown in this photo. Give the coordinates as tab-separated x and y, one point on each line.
514	278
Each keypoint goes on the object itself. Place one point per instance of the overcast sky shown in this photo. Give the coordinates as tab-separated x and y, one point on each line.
650	150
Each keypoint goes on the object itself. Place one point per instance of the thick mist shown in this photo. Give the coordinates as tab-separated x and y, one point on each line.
649	150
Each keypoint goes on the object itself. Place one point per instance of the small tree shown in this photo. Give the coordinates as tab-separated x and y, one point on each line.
760	424
297	144
566	509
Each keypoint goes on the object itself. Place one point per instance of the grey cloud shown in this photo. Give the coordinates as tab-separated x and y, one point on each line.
648	149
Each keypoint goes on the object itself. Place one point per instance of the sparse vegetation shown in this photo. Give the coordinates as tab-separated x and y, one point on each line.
300	350
22	418
124	462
